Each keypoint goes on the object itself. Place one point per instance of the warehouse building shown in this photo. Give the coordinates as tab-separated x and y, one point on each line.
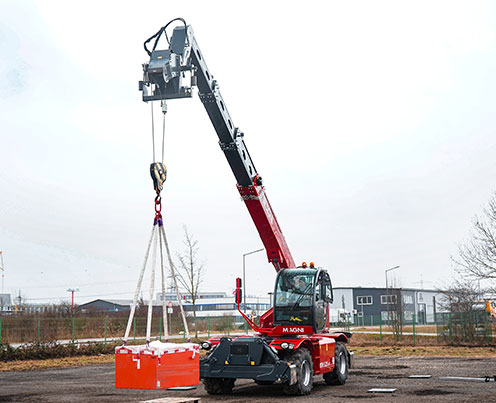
208	304
370	305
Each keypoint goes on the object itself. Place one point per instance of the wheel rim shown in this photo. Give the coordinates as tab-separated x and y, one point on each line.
305	371
342	364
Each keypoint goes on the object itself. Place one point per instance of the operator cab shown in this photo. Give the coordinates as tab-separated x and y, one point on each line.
302	297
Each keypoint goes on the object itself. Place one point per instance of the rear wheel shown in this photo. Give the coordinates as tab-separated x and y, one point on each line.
219	386
340	373
304	373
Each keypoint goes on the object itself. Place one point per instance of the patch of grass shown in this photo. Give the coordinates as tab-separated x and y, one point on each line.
430	351
363	339
67	362
43	351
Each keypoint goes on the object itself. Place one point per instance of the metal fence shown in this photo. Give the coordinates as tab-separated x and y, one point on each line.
447	328
465	327
20	329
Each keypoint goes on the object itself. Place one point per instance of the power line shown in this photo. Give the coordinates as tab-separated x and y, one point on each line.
81	285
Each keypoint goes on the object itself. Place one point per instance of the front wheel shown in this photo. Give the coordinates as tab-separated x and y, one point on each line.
304	373
340	373
219	386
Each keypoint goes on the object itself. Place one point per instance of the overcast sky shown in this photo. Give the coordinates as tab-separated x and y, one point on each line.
373	125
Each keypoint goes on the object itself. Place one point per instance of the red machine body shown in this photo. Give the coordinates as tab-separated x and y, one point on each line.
263	216
299	322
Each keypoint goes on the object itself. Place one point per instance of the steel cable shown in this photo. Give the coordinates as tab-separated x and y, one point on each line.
163	136
153	132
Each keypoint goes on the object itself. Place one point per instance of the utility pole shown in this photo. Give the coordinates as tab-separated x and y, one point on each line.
244	283
19	299
72	291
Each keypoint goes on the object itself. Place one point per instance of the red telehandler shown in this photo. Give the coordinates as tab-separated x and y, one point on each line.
293	341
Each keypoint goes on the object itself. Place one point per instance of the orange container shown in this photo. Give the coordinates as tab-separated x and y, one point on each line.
166	366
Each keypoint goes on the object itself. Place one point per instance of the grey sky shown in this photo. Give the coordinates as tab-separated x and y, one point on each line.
372	124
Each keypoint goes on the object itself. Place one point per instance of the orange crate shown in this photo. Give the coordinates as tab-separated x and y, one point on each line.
157	366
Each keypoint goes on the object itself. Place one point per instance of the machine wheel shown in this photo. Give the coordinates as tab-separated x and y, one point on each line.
304	373
219	386
340	373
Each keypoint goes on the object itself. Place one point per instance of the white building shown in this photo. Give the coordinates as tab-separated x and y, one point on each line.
210	304
5	303
370	305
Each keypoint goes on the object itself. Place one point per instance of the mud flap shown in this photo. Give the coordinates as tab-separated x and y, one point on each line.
293	375
351	359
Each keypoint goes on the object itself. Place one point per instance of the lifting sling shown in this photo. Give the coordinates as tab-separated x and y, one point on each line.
157	243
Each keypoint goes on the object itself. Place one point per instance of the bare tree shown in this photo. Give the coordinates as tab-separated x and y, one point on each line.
190	270
395	311
466	317
64	308
477	256
461	296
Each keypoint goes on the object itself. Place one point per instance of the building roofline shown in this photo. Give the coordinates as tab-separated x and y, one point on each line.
389	288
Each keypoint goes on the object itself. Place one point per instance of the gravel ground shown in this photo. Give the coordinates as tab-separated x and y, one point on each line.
96	384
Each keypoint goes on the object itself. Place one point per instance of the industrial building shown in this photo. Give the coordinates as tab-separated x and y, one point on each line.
208	304
364	305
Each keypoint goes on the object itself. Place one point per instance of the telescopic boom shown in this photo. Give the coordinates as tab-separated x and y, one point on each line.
173	73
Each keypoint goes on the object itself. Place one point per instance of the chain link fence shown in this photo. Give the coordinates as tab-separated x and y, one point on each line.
472	328
16	330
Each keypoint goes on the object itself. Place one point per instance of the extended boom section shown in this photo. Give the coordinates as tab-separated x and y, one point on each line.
165	78
261	212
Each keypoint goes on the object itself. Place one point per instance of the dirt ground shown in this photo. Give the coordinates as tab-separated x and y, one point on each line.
96	383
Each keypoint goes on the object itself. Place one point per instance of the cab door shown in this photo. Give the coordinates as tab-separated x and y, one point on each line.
320	310
323	296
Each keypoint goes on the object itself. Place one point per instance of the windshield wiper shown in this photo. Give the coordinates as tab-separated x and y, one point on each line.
304	293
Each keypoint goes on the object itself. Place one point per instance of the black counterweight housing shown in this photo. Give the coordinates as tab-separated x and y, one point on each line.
245	357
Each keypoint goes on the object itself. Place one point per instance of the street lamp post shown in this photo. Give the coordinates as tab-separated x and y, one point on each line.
244	283
386	271
270	299
387	293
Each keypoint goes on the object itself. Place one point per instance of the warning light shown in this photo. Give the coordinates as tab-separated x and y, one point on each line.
312	265
304	265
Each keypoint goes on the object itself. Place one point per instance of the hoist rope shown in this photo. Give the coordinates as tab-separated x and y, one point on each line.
138	286
164	111
163	136
153	132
